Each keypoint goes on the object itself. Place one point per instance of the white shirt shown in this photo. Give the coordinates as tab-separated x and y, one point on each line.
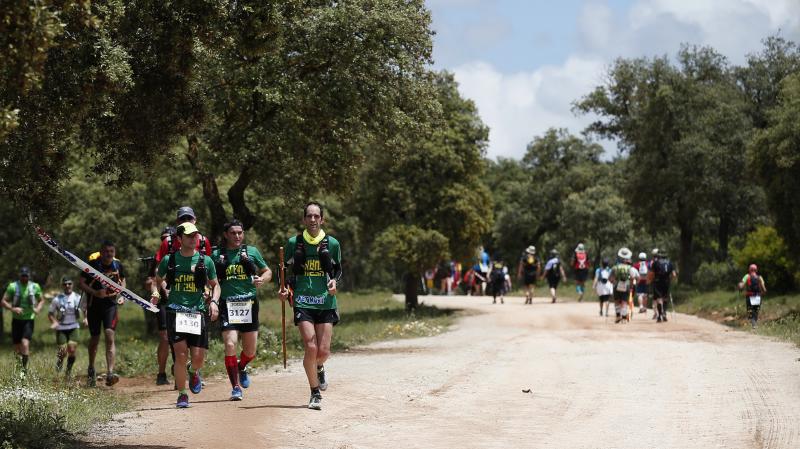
64	308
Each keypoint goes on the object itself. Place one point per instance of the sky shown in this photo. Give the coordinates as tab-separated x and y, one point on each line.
524	63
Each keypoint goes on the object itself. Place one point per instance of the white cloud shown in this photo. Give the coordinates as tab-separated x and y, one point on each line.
520	106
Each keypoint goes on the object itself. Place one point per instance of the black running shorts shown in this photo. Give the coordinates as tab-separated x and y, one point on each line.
66	336
621	296
241	327
604	298
581	275
553	281
660	291
102	312
197	341
316	316
21	329
530	279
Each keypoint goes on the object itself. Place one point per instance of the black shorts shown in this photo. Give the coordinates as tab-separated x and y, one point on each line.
530	279
604	298
642	288
102	312
21	329
197	341
581	275
316	316
66	336
621	296
660	291
552	282
241	327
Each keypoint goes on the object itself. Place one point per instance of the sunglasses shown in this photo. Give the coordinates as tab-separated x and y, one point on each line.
67	284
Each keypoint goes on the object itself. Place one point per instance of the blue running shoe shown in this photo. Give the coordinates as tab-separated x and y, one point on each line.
244	379
183	401
236	394
196	382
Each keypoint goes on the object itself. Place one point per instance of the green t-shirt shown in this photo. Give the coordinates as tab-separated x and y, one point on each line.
236	284
25	301
184	292
311	289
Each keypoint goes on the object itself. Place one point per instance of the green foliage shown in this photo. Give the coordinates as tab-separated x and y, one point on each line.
598	216
716	275
765	248
413	248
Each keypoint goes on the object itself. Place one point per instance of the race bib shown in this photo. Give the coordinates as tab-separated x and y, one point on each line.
188	323
240	312
755	300
622	286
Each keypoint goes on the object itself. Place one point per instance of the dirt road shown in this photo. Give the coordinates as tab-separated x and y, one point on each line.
688	383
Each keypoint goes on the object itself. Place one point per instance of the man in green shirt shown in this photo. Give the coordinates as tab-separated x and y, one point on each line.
24	299
316	267
241	270
187	274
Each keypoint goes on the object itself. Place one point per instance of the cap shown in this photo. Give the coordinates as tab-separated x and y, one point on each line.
24	271
624	253
187	228
642	256
580	247
752	268
168	230
66	279
554	251
530	250
654	252
186	211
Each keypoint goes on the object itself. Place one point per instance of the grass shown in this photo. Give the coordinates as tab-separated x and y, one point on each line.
779	316
46	406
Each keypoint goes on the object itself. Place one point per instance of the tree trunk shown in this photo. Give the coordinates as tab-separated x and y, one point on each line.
236	198
210	190
411	281
722	235
686	267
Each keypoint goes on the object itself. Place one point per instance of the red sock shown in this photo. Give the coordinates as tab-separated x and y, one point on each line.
245	359
232	369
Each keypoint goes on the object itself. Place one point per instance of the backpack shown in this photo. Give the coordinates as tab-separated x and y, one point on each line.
662	270
581	260
325	259
622	273
200	272
642	268
18	294
555	270
753	285
245	261
497	275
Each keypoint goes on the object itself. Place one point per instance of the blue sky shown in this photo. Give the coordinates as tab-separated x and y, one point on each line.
525	62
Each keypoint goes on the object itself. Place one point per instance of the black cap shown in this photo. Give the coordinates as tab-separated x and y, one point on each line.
24	271
168	230
186	211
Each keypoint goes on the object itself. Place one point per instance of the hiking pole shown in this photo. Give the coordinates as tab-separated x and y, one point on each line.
673	306
282	278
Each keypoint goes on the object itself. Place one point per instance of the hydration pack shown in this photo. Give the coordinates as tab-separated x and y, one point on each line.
200	272
18	294
325	259
753	285
555	270
245	261
661	268
581	260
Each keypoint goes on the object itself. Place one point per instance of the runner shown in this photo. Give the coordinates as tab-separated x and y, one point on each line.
187	273
580	262
754	287
623	278
63	314
554	272
315	258
24	299
101	310
480	274
497	279
529	270
241	270
170	244
642	287
662	272
602	285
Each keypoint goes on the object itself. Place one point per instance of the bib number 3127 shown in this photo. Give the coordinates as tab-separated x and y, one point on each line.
188	323
240	312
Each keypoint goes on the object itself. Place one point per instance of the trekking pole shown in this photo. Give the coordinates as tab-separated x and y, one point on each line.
282	278
673	306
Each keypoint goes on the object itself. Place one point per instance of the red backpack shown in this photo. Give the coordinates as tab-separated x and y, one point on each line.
581	261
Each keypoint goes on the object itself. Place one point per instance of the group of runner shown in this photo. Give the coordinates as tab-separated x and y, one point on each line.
194	285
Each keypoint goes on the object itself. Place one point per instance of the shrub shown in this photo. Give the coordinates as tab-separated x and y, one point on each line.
717	275
767	249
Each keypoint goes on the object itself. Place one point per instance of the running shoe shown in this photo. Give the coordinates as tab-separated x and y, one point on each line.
59	364
111	379
196	382
236	394
161	379
315	403
183	401
244	379
323	381
91	377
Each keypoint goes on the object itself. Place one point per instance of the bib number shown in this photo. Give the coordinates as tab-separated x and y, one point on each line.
188	323
622	286
755	300
240	312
